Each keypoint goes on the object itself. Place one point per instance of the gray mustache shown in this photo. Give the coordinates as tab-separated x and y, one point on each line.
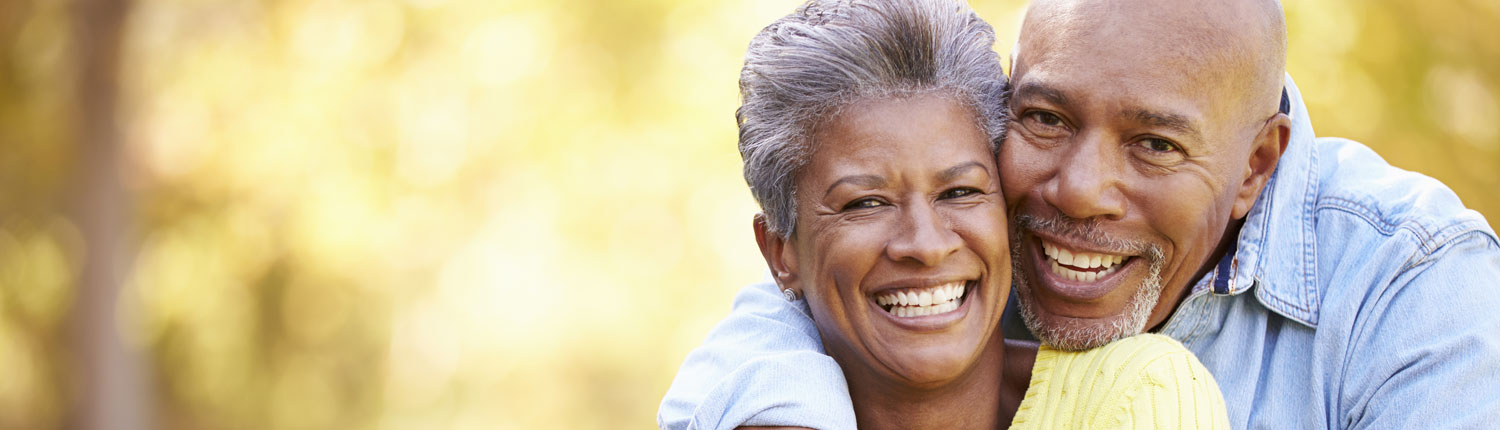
1087	231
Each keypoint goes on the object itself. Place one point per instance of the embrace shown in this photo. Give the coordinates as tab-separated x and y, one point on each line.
1143	195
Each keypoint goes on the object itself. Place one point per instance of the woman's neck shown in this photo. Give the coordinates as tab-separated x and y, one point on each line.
1020	358
970	401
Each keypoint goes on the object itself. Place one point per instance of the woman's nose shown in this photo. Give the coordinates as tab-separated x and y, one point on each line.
925	237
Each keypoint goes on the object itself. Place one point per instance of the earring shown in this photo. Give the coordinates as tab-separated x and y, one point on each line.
791	296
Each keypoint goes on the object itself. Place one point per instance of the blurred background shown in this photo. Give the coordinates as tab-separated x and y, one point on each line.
401	214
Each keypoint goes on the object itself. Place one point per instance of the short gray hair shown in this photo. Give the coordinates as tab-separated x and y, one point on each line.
803	68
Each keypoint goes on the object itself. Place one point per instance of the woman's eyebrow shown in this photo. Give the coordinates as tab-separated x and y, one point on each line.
867	181
951	173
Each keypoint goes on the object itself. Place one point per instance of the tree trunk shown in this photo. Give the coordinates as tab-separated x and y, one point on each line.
109	388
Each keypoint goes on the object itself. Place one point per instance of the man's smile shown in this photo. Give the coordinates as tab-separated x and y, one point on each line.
1082	266
1074	273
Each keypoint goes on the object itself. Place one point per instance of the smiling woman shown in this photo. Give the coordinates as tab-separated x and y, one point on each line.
900	251
869	131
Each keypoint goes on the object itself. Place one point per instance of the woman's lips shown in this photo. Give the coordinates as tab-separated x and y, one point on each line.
916	302
937	315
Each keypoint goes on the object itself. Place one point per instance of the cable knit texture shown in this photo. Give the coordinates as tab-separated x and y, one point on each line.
1146	381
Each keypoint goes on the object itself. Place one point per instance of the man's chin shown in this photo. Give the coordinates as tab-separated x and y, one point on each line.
1077	334
1070	333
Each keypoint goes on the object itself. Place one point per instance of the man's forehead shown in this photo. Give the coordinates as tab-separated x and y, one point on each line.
1211	31
1206	48
1141	74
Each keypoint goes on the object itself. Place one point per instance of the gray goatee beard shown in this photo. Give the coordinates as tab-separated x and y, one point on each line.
1078	335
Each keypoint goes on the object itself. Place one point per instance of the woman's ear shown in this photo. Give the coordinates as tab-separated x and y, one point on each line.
780	256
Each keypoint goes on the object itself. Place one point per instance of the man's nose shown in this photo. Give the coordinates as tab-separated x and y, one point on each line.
1087	180
925	237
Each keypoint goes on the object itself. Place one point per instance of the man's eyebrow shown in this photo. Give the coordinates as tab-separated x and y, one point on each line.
952	172
867	181
1043	91
1171	121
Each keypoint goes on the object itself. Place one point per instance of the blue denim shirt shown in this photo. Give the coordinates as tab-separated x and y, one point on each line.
1358	295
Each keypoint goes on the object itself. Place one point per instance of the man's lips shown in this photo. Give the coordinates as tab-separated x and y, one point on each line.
1081	266
1078	274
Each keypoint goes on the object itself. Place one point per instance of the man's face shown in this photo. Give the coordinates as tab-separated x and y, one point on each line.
1121	169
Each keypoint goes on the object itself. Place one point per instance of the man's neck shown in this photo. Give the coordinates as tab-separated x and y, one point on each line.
1226	242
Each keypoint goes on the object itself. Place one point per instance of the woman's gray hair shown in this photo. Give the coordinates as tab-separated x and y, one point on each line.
805	67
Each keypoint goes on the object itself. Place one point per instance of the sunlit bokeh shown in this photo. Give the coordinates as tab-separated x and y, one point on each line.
413	214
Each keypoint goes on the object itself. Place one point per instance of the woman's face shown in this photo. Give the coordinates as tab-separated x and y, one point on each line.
900	246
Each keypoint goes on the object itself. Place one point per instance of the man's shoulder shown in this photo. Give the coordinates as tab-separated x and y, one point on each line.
1344	224
1355	184
1379	229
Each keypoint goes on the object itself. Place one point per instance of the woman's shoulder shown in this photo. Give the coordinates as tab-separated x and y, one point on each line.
1142	351
1143	381
1122	363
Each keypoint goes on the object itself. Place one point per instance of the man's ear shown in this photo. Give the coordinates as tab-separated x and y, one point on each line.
780	256
1269	144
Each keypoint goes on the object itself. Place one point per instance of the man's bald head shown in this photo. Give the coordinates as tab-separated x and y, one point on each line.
1235	46
1143	130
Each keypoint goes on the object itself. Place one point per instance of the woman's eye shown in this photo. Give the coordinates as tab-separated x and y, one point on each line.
864	203
958	192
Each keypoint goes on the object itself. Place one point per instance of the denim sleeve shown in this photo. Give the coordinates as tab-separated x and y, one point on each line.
1431	359
763	365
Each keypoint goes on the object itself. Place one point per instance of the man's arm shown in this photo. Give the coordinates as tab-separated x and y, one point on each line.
763	365
1430	355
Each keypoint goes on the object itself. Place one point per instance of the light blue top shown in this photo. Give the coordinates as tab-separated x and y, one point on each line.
1358	295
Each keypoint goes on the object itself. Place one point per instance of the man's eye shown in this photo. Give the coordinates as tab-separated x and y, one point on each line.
958	192
1046	118
1159	145
864	203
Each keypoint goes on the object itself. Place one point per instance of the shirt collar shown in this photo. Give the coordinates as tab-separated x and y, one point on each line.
1274	250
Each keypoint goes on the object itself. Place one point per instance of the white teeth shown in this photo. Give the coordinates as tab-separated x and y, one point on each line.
1079	275
927	301
1061	257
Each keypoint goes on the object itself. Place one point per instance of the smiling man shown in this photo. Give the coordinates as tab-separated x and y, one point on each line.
1141	136
1162	175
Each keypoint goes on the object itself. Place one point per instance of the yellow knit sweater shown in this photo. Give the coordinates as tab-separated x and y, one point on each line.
1147	381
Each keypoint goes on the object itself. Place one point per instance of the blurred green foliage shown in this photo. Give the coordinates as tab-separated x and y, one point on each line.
496	214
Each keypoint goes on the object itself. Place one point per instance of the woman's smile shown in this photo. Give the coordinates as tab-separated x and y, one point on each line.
934	307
